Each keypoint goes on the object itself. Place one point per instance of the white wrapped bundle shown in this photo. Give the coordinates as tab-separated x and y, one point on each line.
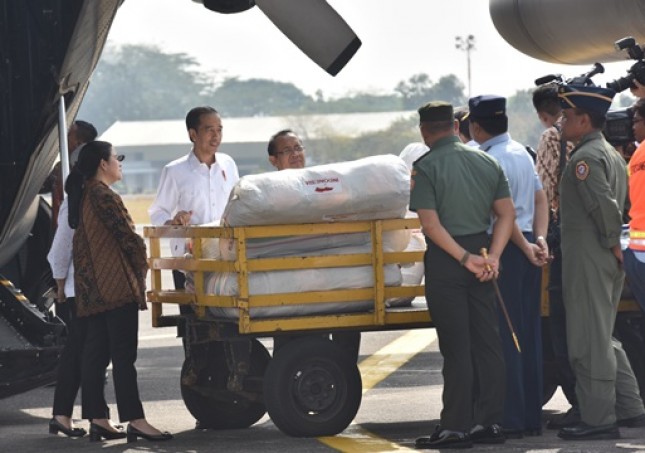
412	273
302	280
393	241
376	187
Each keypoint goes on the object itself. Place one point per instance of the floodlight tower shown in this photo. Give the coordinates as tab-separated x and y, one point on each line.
466	43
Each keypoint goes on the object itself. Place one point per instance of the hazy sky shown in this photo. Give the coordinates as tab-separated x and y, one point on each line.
400	38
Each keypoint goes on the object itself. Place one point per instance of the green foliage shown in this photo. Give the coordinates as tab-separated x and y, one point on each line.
259	97
389	141
136	82
523	123
356	103
419	89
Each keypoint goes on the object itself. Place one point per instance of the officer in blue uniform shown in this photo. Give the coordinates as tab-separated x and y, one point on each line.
521	262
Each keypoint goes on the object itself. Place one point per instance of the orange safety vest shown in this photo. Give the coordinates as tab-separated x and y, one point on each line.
637	199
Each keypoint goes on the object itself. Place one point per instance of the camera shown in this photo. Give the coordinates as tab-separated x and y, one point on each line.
582	79
618	127
637	71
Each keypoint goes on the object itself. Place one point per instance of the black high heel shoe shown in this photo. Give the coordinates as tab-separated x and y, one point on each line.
133	433
98	433
55	427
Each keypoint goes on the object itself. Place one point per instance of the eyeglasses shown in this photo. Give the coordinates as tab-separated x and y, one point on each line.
290	151
119	157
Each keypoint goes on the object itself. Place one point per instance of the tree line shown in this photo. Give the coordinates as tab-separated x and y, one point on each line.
140	82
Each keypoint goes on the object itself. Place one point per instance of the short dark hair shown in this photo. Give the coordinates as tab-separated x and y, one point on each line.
461	115
274	137
597	119
194	116
86	132
493	126
545	99
639	107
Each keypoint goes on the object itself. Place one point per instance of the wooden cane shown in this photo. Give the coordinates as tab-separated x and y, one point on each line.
502	305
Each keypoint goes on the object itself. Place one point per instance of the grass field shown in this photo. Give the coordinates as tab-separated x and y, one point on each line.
137	206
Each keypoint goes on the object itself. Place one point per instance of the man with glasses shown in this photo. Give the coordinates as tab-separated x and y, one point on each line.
286	150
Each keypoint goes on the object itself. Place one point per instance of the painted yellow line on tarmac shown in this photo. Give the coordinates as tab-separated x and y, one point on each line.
361	441
391	357
375	369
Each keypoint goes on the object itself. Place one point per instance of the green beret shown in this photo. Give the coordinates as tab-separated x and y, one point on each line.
436	111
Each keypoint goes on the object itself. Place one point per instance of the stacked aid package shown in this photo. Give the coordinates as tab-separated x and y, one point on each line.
376	187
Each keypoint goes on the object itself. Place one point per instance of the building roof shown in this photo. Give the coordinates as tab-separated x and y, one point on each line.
253	129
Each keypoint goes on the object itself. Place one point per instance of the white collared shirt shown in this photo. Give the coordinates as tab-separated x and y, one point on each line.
60	253
187	184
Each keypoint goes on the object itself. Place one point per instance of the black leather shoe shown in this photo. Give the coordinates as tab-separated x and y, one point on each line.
55	427
582	431
134	433
492	434
443	438
98	433
570	418
632	422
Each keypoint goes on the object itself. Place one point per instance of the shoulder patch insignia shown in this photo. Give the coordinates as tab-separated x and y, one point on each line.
582	170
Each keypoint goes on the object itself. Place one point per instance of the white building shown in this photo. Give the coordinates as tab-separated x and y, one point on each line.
149	145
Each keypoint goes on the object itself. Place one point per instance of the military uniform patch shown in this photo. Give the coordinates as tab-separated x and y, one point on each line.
582	170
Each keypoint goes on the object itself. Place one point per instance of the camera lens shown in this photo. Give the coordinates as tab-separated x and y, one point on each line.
621	84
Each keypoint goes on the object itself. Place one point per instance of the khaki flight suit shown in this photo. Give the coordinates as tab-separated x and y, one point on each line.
593	192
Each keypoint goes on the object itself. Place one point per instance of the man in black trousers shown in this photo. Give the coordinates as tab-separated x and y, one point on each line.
454	190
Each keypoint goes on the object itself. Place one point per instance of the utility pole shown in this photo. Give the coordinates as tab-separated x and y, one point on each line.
466	43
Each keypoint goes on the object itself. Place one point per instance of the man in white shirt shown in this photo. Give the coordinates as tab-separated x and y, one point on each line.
194	189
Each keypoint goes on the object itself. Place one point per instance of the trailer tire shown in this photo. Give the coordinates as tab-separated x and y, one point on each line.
312	388
203	388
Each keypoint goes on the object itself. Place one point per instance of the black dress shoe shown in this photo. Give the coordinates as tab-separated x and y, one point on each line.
55	427
444	438
632	422
98	433
570	418
492	434
582	431
134	433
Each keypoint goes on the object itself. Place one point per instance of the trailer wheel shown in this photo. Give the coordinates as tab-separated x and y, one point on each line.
312	388
204	377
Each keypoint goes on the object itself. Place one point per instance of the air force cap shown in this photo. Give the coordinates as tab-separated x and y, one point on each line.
487	106
595	99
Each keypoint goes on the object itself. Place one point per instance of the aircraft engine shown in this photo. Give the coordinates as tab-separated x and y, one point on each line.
312	25
569	31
